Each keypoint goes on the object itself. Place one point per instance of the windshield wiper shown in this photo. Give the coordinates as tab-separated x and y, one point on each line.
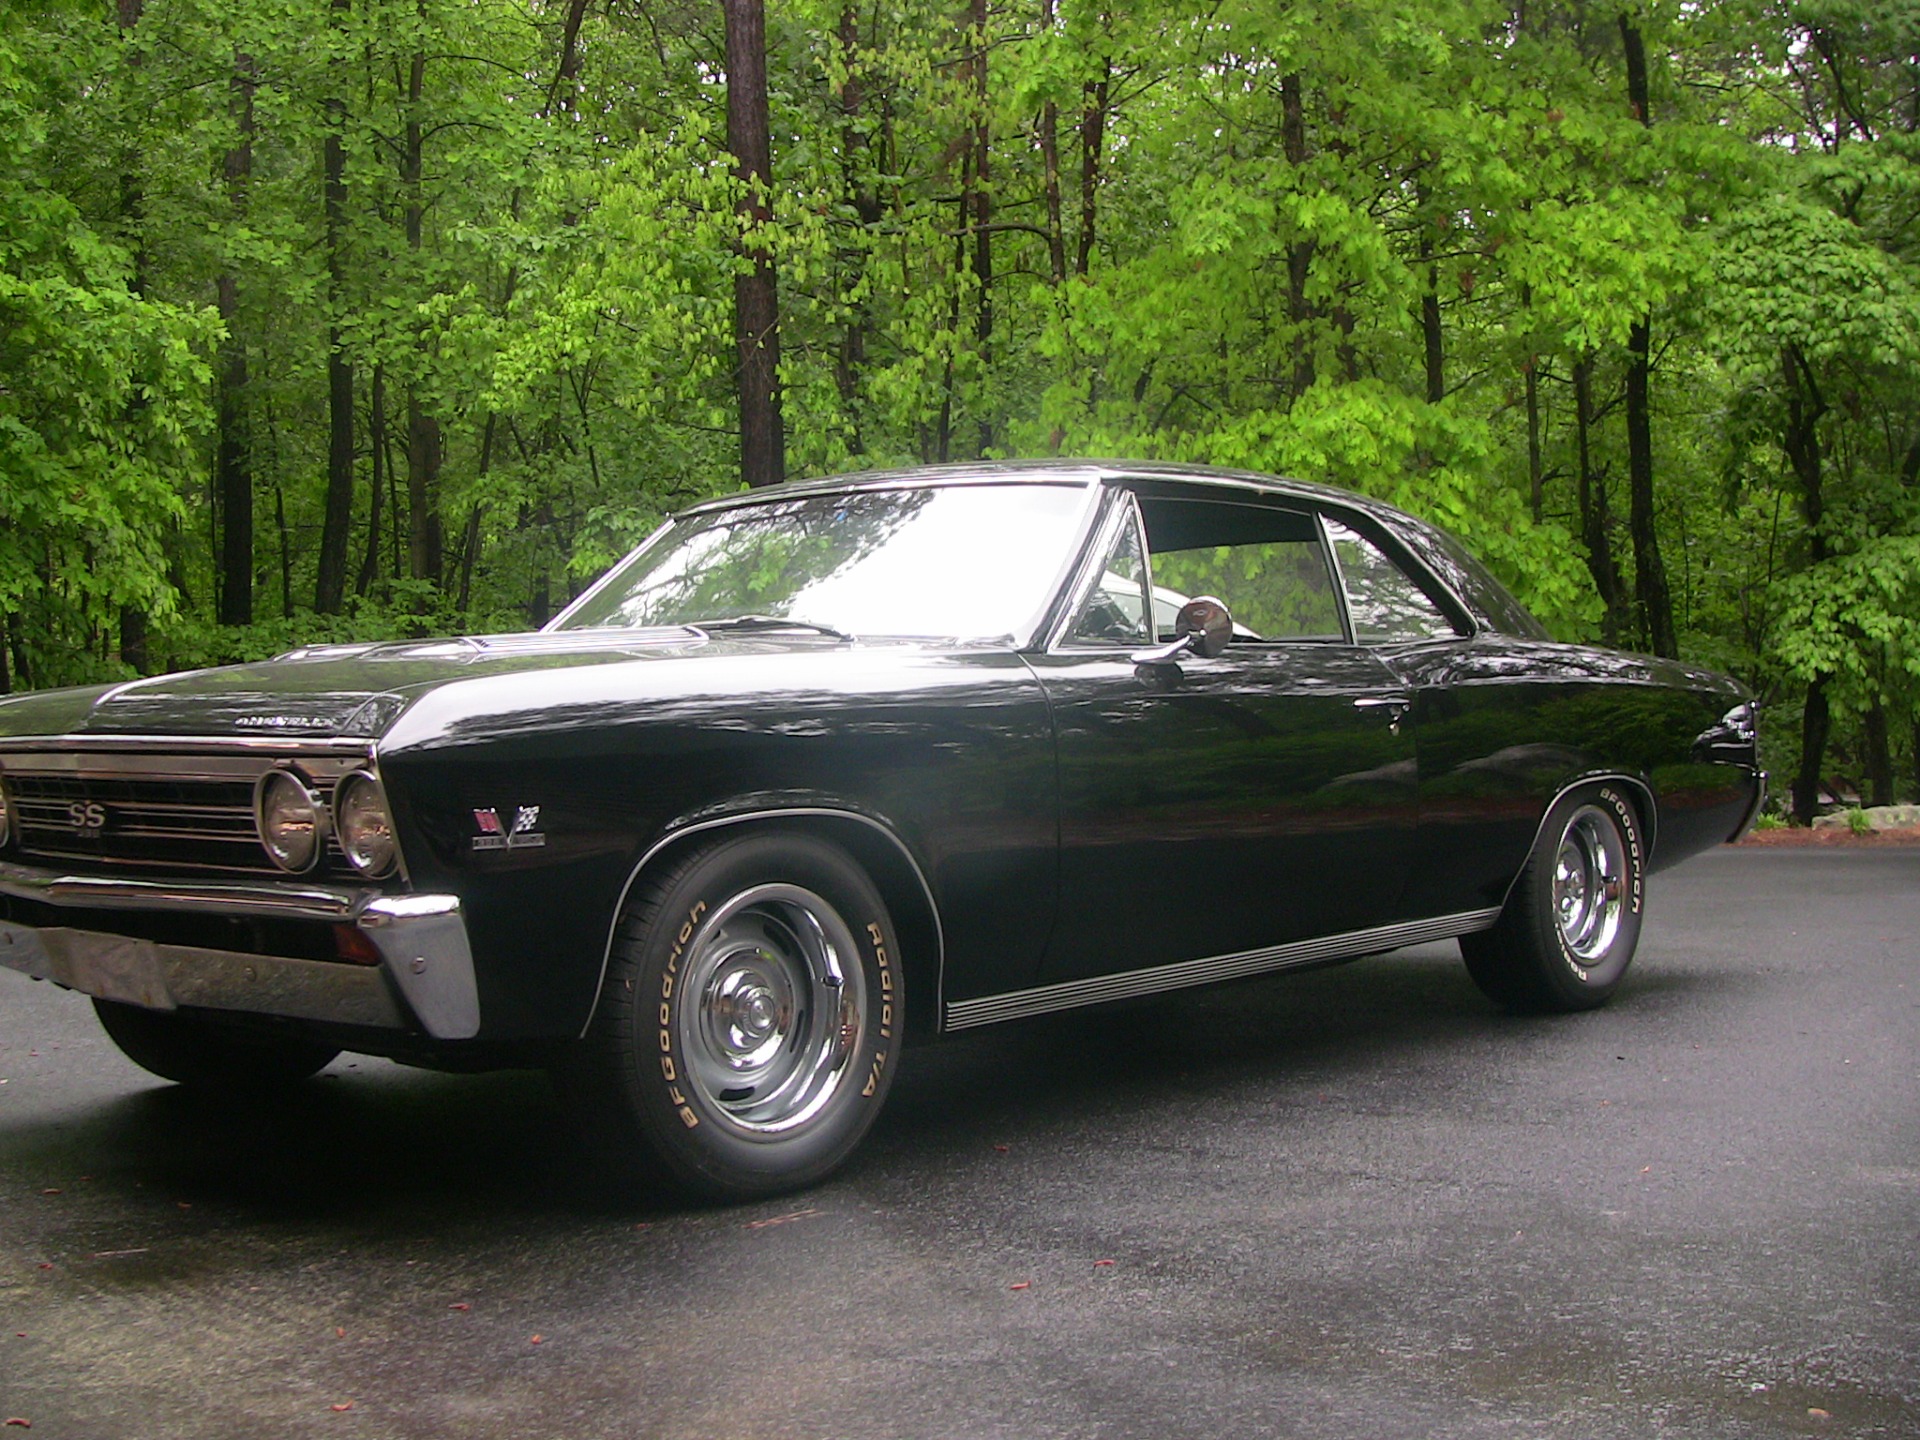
769	622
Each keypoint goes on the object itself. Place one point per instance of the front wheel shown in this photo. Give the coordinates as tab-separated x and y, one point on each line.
1571	923
748	1026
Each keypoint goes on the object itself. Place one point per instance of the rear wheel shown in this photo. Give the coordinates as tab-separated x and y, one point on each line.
196	1050
1571	923
748	1027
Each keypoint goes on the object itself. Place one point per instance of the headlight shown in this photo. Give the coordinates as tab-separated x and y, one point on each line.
6	816
364	825
290	820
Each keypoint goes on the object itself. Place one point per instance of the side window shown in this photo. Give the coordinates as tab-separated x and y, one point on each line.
1385	605
1266	564
1115	610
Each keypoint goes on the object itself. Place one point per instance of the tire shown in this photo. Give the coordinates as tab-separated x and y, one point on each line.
1572	920
194	1050
748	1026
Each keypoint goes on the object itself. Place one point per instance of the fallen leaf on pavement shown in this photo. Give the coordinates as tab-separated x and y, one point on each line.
1021	1285
345	1405
459	1305
779	1219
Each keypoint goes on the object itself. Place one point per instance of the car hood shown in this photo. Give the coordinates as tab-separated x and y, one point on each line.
353	691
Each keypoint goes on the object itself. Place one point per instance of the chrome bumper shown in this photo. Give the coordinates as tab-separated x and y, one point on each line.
426	964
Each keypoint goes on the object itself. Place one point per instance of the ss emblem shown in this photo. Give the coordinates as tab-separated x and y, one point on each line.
88	817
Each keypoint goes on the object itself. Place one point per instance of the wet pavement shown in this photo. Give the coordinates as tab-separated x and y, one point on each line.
1356	1203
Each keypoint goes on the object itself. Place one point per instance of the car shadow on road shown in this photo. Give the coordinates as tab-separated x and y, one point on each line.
369	1140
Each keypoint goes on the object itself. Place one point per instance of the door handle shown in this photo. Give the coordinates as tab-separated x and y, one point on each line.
1396	707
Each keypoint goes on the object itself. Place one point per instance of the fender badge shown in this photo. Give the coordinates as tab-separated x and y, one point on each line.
520	836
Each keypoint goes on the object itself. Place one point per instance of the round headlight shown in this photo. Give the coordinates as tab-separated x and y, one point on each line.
290	820
363	824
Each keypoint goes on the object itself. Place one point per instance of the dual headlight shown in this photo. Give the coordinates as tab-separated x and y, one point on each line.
294	823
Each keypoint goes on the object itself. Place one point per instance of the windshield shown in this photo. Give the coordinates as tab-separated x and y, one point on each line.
968	562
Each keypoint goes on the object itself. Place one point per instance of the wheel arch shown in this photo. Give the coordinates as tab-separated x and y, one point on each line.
873	845
1639	793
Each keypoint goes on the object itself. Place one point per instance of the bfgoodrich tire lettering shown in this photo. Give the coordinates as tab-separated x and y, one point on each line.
1568	932
748	1028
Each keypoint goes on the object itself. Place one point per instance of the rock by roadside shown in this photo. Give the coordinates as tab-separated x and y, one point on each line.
1878	817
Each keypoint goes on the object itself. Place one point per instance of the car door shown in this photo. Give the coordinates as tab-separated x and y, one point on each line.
1211	807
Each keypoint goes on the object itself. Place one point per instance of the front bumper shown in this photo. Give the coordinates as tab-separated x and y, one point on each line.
424	976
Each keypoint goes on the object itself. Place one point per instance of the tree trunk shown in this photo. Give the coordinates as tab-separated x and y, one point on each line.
133	619
233	451
1050	162
1430	331
1093	146
857	176
1879	754
1801	440
980	203
1592	495
1293	142
1536	471
377	447
756	303
425	550
330	584
1652	600
1816	721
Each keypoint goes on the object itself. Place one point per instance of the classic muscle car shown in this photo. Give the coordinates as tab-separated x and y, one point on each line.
823	769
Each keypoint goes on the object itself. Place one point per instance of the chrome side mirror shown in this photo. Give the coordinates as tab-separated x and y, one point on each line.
1203	627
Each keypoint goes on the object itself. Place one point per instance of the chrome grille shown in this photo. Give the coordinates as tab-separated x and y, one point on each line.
152	813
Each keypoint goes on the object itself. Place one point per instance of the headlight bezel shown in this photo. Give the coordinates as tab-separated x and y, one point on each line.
383	860
284	780
6	815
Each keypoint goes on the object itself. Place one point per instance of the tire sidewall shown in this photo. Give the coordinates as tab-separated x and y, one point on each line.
1573	981
695	1140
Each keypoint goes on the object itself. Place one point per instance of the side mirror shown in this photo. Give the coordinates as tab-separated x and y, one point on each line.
1203	627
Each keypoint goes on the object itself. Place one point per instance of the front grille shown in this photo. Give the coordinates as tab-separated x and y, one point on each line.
151	814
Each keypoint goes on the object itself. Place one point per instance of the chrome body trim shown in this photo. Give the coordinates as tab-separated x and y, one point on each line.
173	746
283	901
1098	989
165	977
425	955
749	817
423	947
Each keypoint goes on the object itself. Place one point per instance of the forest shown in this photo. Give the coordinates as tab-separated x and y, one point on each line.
365	318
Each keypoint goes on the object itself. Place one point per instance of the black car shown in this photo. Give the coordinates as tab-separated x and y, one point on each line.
823	769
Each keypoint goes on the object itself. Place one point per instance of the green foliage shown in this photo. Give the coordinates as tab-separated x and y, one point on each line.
1383	245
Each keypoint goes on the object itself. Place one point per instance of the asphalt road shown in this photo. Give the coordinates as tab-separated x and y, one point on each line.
1356	1203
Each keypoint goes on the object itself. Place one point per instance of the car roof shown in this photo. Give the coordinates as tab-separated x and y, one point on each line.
1047	472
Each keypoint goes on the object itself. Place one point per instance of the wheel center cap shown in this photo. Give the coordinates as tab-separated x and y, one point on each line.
755	1013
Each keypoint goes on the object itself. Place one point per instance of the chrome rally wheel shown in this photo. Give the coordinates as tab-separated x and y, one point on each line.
775	1003
1589	891
749	1024
1572	919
